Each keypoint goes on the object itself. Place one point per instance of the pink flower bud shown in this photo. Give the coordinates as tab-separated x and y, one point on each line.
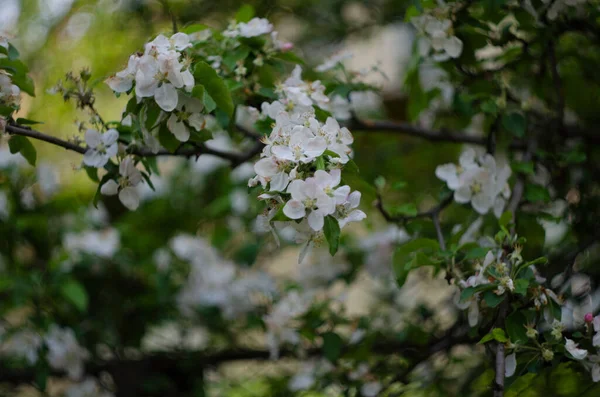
589	317
287	46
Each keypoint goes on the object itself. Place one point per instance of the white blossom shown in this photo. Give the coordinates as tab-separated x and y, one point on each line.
24	343
187	114
64	352
129	178
104	243
101	147
574	351
255	27
436	34
278	321
477	180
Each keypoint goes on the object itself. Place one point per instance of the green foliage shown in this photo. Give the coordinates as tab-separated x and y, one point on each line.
331	229
215	87
22	145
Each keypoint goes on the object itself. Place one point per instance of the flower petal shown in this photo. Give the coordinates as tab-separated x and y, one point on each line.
166	97
130	198
110	188
294	209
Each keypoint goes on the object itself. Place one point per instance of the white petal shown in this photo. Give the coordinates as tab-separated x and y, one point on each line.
316	220
266	167
119	84
110	188
196	120
453	47
482	203
166	97
178	128
93	158
130	198
341	194
110	137
596	372
93	138
294	209
510	365
279	182
462	195
447	172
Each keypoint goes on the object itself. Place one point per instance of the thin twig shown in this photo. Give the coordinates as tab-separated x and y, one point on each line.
402	219
438	229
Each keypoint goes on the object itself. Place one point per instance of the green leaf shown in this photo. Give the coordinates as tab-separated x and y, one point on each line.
74	292
514	123
332	233
239	54
515	326
197	27
290	57
414	254
245	13
23	121
215	86
332	346
25	83
320	163
491	299
505	219
521	286
167	139
12	52
20	144
535	193
408	209
523	167
152	113
92	173
496	334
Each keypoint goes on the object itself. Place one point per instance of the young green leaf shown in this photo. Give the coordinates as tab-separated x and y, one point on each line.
332	233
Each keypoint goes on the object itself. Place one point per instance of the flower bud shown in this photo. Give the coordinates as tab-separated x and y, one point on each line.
547	354
2	125
589	317
287	46
531	332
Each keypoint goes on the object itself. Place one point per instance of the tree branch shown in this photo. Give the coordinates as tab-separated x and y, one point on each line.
168	362
419	132
235	158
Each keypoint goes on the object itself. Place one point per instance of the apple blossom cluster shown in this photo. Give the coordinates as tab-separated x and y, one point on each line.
436	37
62	350
10	94
300	169
159	73
163	73
478	180
216	282
282	320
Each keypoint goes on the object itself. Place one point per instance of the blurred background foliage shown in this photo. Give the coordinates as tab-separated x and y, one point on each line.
57	36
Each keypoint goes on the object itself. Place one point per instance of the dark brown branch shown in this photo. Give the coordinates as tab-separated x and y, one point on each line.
167	362
19	130
402	219
431	135
234	158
